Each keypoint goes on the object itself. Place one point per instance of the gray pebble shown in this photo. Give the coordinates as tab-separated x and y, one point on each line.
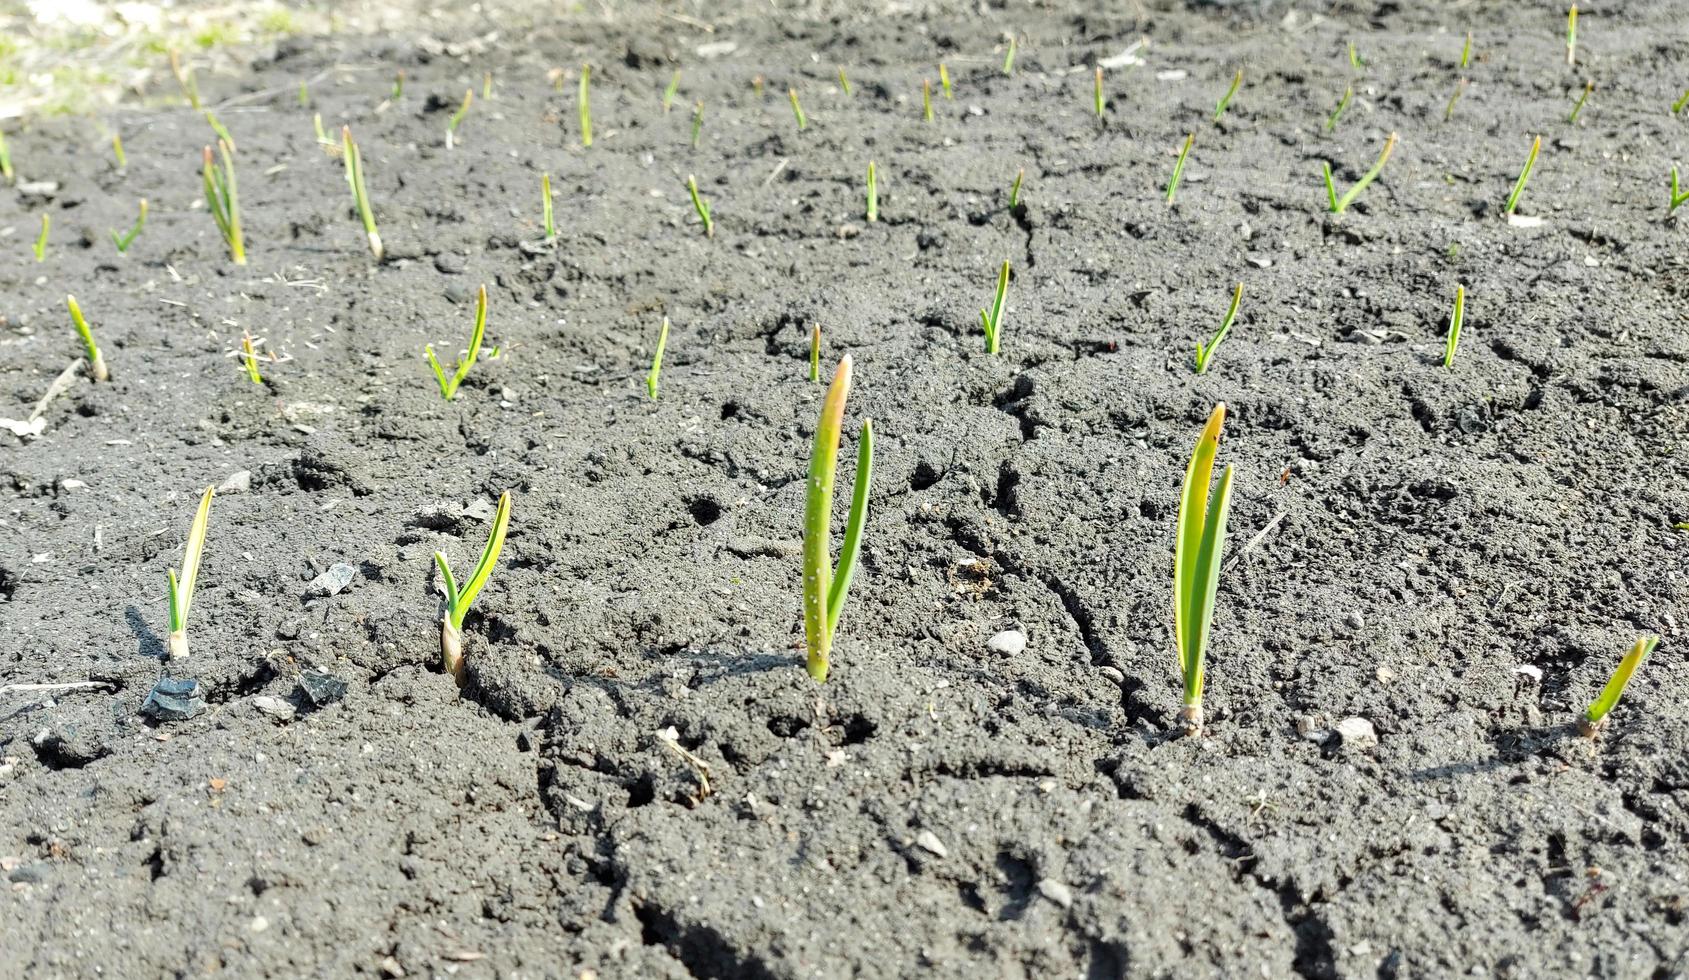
274	707
1357	733
1009	642
926	840
1056	892
239	481
449	262
1114	675
333	581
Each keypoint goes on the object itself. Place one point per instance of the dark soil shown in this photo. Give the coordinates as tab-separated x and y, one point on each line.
1405	539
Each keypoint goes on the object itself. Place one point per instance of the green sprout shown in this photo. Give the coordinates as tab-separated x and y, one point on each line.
1572	35
992	319
797	110
1014	189
96	361
674	88
117	151
41	239
223	200
1588	87
874	194
701	206
1466	52
584	101
1456	320
360	192
1197	551
329	146
304	94
944	80
486	85
184	78
249	359
545	207
815	354
657	361
6	160
1337	113
398	85
697	121
449	386
221	130
824	587
1205	352
926	99
1596	713
1524	175
1341	204
1680	104
1009	58
1226	100
1675	199
844	83
756	85
123	239
1097	92
182	591
1355	60
1459	88
457	117
1179	168
459	600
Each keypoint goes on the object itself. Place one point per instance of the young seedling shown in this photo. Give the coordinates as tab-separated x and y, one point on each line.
657	361
1680	104
249	359
182	591
545	208
874	194
815	354
360	192
992	319
1588	87
825	588
1341	204
697	121
304	94
457	117
41	239
1014	189
583	100
123	239
223	200
96	361
1200	543
449	386
944	80
1456	320
459	600
844	83
1524	175
1466	52
1097	92
1009	58
6	160
398	86
674	89
699	205
926	99
1179	168
1572	35
117	151
1590	724
1226	100
1459	87
1675	199
1205	352
797	110
1355	60
218	128
184	78
486	85
1337	113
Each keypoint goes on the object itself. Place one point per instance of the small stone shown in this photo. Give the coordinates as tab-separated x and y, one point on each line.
1056	892
333	581
240	481
173	699
288	629
1355	620
1310	728
1436	811
390	968
1009	643
449	262
321	688
274	707
1357	733
926	840
33	873
481	510
1530	670
1384	674
259	923
45	189
1113	674
848	230
313	836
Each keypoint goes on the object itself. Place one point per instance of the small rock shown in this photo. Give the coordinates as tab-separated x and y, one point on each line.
44	189
1056	892
288	629
1310	728
1436	811
259	923
926	840
321	688
390	968
173	699
33	873
274	707
481	510
240	481
449	262
848	231
1355	620
1357	733
1384	674
1530	670
1113	674
756	546
1009	643
333	581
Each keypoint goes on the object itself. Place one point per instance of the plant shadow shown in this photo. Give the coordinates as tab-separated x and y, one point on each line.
148	643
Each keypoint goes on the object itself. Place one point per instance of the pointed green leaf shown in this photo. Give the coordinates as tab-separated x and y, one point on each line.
1207	575
191	554
489	557
853	526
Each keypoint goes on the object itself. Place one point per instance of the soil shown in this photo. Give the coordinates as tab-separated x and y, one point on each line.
639	778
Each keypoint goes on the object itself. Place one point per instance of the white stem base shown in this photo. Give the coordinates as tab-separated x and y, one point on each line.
1190	716
451	650
98	368
176	646
375	245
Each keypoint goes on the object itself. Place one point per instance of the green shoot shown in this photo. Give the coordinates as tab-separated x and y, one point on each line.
457	117
756	86
1524	175
1590	724
117	151
223	199
1199	545
701	206
1226	100
1009	58
221	130
944	80
1456	320
1341	204
330	146
674	88
992	319
123	239
360	192
926	99
459	600
657	361
815	354
1343	103
824	587
41	239
1448	111
844	83
797	110
1355	60
1466	52
556	75
1179	168
398	86
697	122
1572	35
545	207
1014	189
182	590
874	194
583	100
449	386
96	362
486	85
1678	106
184	78
6	160
249	359
1676	199
1588	87
1097	92
1205	352
304	94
